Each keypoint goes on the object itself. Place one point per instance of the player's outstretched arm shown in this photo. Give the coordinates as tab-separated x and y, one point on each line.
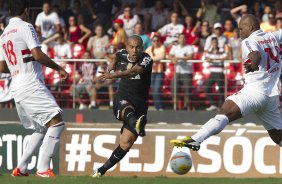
46	61
3	67
132	72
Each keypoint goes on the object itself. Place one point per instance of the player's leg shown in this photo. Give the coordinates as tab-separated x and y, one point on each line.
92	92
229	111
32	145
271	119
111	95
42	108
209	84
127	139
50	142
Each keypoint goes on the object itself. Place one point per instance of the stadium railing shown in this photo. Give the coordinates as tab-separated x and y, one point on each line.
232	83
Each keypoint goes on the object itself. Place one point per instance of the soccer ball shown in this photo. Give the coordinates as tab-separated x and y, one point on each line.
181	163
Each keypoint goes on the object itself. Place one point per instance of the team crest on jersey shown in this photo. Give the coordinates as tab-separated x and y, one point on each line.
123	102
146	61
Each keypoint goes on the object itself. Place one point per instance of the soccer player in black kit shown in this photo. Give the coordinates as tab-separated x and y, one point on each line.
134	67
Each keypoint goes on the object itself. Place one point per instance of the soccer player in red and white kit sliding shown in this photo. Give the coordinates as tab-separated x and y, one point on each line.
262	54
21	55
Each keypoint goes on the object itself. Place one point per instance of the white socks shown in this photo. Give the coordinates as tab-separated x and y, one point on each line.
33	143
49	145
212	127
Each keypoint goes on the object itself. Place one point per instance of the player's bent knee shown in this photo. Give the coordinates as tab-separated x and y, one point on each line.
126	143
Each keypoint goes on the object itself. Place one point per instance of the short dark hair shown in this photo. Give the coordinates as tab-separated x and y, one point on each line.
214	39
17	7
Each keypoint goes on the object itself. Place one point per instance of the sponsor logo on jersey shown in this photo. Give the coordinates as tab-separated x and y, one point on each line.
146	61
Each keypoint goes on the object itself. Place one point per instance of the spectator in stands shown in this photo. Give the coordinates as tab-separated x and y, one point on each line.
64	11
278	9
228	29
178	7
101	11
129	20
278	24
190	31
179	54
267	10
77	33
208	12
84	79
47	23
172	30
204	33
119	35
56	9
62	49
157	52
140	10
215	56
223	9
256	10
235	45
270	25
97	43
218	33
138	30
2	26
157	16
105	84
238	12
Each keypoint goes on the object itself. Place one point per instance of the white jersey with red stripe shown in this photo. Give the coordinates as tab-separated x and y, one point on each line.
17	41
266	78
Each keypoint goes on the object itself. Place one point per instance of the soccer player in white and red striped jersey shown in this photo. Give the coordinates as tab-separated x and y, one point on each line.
20	55
260	94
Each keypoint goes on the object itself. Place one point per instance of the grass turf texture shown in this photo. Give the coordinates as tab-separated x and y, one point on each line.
7	179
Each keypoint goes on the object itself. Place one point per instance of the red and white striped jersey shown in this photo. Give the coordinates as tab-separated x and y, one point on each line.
266	79
16	43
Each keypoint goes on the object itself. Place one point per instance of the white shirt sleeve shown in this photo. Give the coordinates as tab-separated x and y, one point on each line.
278	35
208	43
1	57
38	20
189	50
69	53
163	30
56	18
248	46
30	37
172	50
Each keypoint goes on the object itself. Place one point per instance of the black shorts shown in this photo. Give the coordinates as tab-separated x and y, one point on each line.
122	101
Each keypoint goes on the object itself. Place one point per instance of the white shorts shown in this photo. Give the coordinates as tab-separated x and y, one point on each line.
38	109
266	108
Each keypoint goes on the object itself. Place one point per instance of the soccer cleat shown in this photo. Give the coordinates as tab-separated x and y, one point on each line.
47	174
186	142
16	172
140	126
96	174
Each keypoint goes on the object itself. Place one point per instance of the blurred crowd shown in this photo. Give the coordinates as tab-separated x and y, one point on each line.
177	30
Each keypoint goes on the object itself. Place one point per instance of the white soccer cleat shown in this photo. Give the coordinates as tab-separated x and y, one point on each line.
96	174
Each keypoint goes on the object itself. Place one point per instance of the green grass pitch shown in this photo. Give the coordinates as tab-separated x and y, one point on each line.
6	179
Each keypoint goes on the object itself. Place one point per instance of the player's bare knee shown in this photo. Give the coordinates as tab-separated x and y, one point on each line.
126	143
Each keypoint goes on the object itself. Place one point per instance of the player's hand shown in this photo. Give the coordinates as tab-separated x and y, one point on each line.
63	74
104	76
111	67
248	67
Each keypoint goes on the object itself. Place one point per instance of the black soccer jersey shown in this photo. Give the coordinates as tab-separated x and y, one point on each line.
139	85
